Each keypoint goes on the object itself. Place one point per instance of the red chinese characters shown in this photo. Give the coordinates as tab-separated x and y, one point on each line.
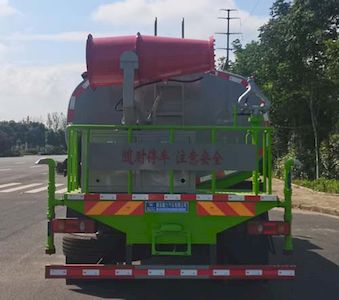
164	156
182	157
217	158
152	156
127	156
140	156
205	158
193	158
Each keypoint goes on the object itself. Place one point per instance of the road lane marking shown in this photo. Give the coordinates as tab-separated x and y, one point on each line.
62	191
22	187
3	170
42	189
37	166
8	184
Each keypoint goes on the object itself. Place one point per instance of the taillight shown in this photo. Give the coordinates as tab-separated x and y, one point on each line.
268	228
73	226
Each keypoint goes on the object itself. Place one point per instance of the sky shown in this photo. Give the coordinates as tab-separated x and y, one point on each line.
42	42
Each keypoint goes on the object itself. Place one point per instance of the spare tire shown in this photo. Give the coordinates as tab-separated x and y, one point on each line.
84	248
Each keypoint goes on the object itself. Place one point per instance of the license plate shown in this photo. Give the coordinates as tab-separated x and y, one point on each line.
166	207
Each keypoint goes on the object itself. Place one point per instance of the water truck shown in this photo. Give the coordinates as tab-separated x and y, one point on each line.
169	168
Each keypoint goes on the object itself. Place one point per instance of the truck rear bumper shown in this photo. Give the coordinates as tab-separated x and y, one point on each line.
220	272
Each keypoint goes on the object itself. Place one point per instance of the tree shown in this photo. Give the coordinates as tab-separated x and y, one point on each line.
56	121
5	143
32	136
36	134
293	62
330	157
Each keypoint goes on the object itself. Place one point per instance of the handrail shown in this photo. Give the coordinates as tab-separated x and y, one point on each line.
82	132
168	127
52	202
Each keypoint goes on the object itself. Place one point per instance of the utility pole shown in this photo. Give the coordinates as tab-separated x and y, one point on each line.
156	26
183	28
227	33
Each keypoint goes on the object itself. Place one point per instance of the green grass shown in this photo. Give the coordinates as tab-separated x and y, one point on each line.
320	185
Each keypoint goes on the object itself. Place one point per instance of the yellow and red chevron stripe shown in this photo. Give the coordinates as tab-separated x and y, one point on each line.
113	208
225	209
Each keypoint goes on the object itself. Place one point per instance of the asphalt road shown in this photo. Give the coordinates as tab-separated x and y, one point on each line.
22	259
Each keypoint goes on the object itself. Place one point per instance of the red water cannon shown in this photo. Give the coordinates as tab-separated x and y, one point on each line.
159	58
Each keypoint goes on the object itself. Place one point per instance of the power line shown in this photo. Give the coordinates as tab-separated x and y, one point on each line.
227	33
